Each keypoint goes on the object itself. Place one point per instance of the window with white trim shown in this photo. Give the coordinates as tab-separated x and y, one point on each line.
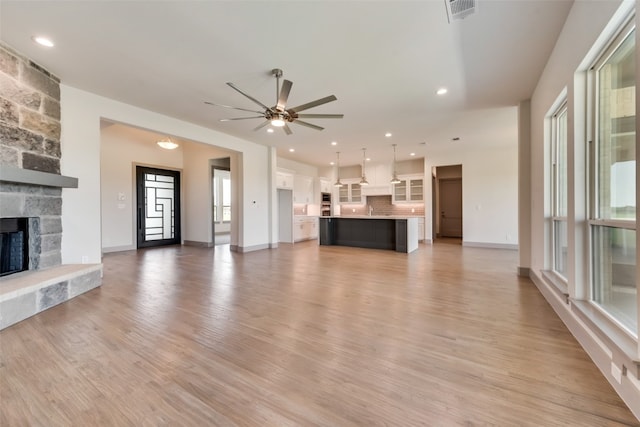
221	195
612	171
559	190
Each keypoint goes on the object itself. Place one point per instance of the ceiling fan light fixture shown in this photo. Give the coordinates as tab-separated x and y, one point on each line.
279	115
277	122
167	144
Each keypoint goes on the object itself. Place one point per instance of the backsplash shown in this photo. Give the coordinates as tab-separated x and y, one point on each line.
382	206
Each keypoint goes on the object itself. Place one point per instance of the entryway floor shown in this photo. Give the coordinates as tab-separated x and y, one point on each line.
448	240
222	239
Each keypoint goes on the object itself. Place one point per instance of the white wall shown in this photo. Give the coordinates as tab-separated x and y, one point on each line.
489	193
81	216
299	168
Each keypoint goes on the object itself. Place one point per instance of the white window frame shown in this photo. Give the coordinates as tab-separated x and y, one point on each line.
594	220
556	218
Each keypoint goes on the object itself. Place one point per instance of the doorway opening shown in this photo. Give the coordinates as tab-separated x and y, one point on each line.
158	207
221	200
447	204
285	216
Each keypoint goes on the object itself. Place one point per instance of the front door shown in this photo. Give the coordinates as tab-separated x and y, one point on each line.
158	194
451	207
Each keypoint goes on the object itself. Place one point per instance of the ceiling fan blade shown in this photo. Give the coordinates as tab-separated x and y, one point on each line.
284	95
313	103
309	125
229	106
261	125
248	96
321	116
241	118
287	129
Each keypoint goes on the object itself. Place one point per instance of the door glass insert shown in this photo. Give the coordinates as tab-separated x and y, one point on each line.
158	207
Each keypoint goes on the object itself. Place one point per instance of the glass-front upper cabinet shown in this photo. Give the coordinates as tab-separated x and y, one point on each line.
350	192
409	189
416	193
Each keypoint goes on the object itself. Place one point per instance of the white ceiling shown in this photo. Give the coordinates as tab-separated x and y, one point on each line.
383	60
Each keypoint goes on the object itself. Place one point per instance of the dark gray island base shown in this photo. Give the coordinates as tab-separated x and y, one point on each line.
397	234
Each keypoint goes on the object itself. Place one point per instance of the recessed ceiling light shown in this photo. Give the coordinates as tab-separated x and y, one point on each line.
270	130
291	150
412	154
442	91
334	143
368	159
42	41
388	134
332	163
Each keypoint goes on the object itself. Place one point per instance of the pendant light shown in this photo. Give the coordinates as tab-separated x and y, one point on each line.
394	178
338	183
364	181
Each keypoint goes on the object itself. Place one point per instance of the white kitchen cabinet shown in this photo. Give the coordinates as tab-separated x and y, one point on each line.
314	228
350	192
303	189
416	189
305	228
421	229
325	185
410	189
284	179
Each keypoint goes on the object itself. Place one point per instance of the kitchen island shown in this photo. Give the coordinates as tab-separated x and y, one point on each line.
399	234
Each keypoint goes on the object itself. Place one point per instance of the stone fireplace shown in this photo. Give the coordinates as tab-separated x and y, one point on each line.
31	190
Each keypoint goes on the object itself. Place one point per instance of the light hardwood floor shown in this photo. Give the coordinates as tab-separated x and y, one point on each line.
302	336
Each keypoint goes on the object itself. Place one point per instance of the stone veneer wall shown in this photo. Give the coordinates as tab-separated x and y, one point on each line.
30	139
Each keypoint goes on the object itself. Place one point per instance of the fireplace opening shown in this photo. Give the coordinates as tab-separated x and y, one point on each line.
14	245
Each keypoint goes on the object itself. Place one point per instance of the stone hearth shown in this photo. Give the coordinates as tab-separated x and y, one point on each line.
24	294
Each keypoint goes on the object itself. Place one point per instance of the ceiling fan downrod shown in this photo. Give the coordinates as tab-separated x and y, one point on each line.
277	72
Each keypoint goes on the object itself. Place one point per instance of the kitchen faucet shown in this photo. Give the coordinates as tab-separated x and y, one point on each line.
370	210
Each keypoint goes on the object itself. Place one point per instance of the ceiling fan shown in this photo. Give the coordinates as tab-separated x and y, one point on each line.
279	115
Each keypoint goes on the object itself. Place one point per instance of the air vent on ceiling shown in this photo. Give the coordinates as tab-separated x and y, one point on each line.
460	9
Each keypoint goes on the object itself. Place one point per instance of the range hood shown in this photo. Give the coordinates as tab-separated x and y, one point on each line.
376	190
